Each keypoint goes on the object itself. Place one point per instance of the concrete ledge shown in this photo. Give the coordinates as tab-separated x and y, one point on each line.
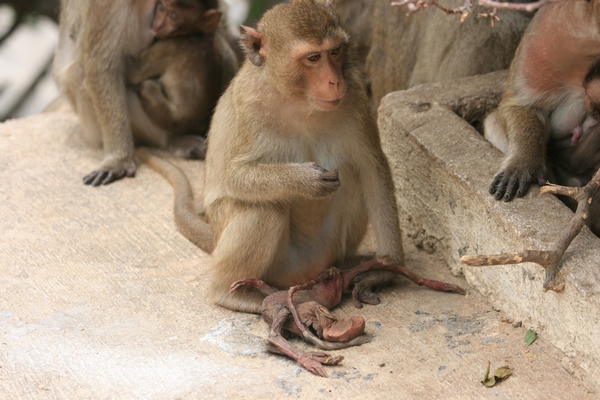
442	168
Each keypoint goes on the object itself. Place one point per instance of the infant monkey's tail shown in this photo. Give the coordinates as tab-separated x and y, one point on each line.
187	220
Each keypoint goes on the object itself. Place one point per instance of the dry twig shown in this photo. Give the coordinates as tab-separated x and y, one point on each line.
493	5
548	259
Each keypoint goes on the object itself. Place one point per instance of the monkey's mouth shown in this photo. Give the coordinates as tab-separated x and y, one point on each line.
328	104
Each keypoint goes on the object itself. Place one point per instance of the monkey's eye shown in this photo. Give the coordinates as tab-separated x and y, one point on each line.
160	6
173	16
314	57
336	51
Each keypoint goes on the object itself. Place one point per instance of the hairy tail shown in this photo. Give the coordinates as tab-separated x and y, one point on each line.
187	220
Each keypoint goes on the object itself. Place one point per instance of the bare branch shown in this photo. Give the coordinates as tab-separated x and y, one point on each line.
493	5
549	259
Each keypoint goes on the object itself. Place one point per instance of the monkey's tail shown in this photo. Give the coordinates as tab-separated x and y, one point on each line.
187	220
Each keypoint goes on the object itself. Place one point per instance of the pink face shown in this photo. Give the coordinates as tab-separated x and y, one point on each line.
322	67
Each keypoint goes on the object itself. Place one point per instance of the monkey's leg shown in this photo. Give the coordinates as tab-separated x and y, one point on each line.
311	361
387	265
164	110
254	243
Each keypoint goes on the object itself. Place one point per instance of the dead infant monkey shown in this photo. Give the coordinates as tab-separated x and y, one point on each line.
179	80
309	305
294	168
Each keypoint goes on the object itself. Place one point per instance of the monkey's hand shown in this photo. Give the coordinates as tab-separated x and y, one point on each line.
366	282
111	170
322	182
516	181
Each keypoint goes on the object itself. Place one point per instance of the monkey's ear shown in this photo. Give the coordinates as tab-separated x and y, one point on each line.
210	21
253	43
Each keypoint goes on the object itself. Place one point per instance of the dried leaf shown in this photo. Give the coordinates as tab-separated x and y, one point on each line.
503	372
530	337
499	375
488	380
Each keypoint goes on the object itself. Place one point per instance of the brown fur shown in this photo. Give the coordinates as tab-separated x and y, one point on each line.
96	41
177	84
291	183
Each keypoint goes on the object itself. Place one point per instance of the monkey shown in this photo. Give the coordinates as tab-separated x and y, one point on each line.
177	81
430	46
96	42
310	308
294	169
545	96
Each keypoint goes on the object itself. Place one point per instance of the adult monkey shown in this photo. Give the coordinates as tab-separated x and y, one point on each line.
294	167
95	40
545	94
430	46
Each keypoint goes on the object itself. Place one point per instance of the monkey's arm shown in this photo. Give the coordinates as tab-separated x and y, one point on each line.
525	162
152	63
254	181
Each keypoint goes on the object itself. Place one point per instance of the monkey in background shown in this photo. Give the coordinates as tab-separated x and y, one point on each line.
430	46
178	80
294	169
545	96
96	41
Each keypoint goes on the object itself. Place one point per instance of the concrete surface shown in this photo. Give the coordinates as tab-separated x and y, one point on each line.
443	167
101	298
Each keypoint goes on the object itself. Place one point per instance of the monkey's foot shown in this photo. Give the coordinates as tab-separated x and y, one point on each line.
191	147
516	182
109	174
345	329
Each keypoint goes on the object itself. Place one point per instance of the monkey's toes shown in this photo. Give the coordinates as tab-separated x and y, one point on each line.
345	329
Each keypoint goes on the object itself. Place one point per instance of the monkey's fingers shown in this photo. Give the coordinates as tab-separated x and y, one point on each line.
252	283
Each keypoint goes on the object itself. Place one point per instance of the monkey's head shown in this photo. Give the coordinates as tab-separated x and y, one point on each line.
304	51
174	18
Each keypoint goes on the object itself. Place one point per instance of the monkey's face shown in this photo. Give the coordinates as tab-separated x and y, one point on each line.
174	18
319	72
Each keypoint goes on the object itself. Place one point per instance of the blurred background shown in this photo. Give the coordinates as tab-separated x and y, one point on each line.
28	37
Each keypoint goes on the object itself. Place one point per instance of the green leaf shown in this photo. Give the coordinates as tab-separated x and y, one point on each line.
530	337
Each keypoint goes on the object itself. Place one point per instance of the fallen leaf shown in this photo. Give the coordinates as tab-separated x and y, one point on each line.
499	375
530	337
503	372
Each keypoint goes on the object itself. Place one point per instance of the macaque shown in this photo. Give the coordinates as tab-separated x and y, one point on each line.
430	46
177	81
97	39
312	319
545	98
294	168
